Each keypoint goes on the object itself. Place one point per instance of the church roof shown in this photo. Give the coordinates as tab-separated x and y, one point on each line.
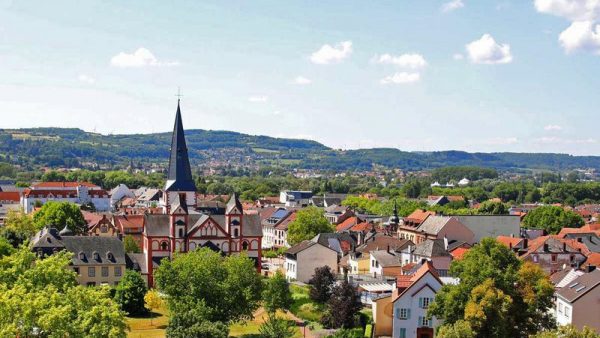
234	202
180	172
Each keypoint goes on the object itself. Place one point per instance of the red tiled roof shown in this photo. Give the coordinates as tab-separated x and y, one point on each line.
12	196
129	221
283	224
91	218
420	215
44	192
361	227
508	241
347	224
64	185
459	252
593	259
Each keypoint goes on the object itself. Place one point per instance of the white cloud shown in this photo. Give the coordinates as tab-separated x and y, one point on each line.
581	35
332	54
558	140
258	98
458	56
413	61
301	80
552	127
401	78
142	57
86	79
574	10
452	5
486	50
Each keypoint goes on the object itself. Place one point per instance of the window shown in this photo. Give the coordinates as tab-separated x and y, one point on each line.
423	321
236	232
91	284
535	258
163	246
117	271
402	332
567	311
91	271
105	271
180	232
403	313
424	302
560	308
245	246
76	270
96	256
554	258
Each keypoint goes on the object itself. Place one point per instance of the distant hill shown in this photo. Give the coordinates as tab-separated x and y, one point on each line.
56	147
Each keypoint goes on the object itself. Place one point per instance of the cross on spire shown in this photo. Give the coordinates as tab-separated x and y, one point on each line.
179	96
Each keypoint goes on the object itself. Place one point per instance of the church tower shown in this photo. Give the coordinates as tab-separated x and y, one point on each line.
180	184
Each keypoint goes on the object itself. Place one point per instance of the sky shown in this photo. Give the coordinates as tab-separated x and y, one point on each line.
493	75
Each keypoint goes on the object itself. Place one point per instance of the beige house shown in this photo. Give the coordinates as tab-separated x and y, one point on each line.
302	259
97	260
437	227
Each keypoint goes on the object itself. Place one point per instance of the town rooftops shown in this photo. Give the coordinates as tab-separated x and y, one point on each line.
433	224
9	197
63	185
385	258
580	286
431	248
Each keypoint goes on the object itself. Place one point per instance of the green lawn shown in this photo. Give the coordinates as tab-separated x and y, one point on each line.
251	328
147	327
304	307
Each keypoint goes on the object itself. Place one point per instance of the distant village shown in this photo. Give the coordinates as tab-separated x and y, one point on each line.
397	263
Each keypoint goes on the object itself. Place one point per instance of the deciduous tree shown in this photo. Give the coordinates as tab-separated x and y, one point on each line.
321	284
276	294
309	222
60	214
130	293
342	307
552	219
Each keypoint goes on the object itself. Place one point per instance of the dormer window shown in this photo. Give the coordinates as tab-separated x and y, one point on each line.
96	256
110	256
81	256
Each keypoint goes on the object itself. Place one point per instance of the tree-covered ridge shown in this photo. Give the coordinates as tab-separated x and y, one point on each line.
71	147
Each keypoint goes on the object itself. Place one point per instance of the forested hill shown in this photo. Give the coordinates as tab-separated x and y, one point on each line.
58	147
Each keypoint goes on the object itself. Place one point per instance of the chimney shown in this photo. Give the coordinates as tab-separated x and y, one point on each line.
445	242
525	243
564	247
510	245
579	239
545	247
591	268
388	248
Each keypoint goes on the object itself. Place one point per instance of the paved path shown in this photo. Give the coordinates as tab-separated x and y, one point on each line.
300	323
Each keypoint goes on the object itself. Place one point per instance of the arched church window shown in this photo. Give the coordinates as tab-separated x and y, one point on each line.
180	232
245	246
163	246
236	232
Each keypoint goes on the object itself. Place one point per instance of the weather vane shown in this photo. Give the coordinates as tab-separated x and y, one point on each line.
179	96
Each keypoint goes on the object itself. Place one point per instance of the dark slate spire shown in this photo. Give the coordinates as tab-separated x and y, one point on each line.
234	203
180	172
395	219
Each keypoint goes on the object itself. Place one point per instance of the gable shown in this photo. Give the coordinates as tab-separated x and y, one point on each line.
208	228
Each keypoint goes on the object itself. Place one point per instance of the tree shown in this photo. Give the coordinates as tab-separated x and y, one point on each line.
40	297
153	302
130	293
275	327
460	329
568	331
493	208
5	247
18	227
60	214
276	294
321	284
552	219
490	272
487	310
204	286
342	307
309	222
131	245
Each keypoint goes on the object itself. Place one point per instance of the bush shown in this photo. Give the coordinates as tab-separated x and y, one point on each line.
130	293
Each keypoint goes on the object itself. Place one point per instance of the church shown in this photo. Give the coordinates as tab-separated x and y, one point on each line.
181	228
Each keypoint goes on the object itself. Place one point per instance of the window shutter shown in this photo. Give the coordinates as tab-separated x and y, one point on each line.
407	313
420	302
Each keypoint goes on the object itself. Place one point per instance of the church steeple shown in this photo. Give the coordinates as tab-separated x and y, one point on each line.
180	172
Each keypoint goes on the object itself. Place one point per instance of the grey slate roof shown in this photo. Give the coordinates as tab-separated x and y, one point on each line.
431	248
580	286
300	247
110	250
179	177
234	202
491	225
385	258
158	224
433	224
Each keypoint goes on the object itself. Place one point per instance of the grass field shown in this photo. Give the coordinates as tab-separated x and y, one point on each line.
263	150
146	327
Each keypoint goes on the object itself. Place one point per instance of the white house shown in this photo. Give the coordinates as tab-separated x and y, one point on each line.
74	192
465	181
403	314
293	198
302	259
577	301
118	193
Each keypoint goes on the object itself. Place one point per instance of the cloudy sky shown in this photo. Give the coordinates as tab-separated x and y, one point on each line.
505	75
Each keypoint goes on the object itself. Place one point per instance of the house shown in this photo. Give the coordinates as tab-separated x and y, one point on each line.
281	229
149	198
384	263
294	198
130	225
491	225
576	303
118	193
552	253
181	228
437	227
431	250
336	213
358	261
275	227
74	192
327	200
342	243
464	182
97	260
416	218
9	200
403	314
100	224
302	259
434	200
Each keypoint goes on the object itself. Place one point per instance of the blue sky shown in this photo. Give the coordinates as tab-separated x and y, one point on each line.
506	75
